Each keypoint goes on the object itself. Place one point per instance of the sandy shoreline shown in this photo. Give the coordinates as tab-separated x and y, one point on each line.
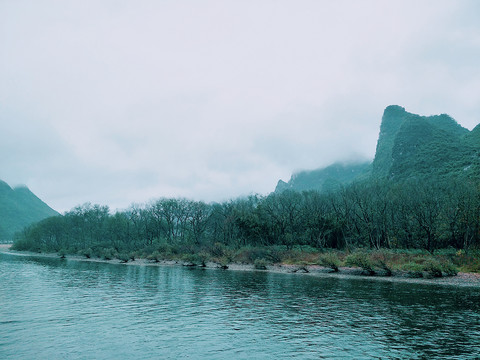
461	280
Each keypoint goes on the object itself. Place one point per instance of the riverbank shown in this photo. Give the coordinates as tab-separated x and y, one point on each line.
462	279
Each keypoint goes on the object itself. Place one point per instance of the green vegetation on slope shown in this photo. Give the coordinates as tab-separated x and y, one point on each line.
409	146
418	147
19	207
330	178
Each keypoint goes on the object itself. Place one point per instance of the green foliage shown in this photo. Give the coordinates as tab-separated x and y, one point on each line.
330	178
195	259
432	267
260	264
155	257
413	269
448	268
381	259
132	255
25	244
413	146
109	254
19	208
362	260
62	253
87	253
467	261
123	257
250	254
330	260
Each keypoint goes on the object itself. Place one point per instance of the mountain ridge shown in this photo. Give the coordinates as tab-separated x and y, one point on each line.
20	207
408	146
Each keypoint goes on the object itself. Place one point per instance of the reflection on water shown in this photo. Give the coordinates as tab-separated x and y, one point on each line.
54	308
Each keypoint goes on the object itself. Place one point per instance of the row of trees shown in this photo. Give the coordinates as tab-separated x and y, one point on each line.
426	215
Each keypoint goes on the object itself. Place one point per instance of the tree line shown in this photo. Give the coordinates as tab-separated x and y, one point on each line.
375	214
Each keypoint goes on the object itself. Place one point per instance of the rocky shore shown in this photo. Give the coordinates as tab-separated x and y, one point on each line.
460	280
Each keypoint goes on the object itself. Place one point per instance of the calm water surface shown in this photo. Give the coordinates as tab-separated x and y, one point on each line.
63	309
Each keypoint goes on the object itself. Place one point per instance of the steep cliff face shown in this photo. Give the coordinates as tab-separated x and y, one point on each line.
409	146
393	118
19	207
414	146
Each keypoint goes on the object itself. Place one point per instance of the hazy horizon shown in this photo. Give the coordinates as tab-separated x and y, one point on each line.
115	102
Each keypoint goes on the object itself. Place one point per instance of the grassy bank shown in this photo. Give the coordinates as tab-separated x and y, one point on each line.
412	263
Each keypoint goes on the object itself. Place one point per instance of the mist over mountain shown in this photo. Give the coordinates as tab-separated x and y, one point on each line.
409	146
19	207
325	179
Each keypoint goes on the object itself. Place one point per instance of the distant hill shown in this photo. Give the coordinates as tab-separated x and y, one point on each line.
409	146
325	179
19	207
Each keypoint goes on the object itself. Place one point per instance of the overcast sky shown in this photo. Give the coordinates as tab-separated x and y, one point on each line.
114	102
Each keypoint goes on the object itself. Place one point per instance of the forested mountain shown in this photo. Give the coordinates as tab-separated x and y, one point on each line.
415	147
19	207
409	147
325	179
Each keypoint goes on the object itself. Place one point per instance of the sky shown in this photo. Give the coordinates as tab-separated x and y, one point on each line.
117	102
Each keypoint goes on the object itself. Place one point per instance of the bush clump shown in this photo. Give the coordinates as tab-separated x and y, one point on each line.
330	260
109	254
62	253
155	257
132	256
413	269
87	253
362	260
123	257
433	268
381	260
449	269
260	264
250	254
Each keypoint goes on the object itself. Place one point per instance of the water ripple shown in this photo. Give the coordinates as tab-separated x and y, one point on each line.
52	309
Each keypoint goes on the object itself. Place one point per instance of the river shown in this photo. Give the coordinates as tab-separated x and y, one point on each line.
64	309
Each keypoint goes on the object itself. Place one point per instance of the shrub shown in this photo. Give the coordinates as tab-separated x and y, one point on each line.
217	249
433	268
87	253
250	254
260	264
448	269
22	244
193	259
381	260
155	256
330	260
109	254
203	257
382	264
122	257
361	259
224	261
413	269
